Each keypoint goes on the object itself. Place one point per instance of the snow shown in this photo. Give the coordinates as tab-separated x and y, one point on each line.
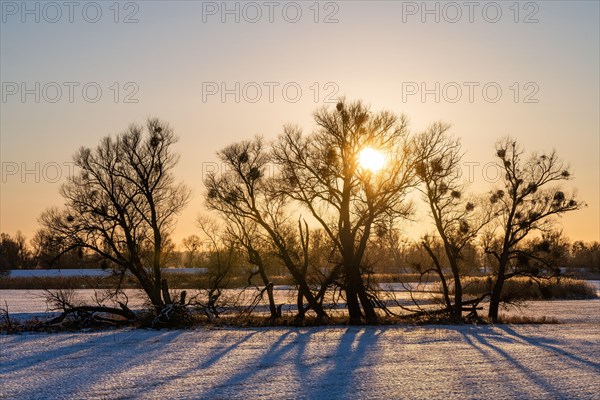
502	361
550	361
24	303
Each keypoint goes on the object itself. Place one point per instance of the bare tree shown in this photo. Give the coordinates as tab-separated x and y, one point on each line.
51	250
256	212
192	245
322	172
526	203
223	255
123	203
455	219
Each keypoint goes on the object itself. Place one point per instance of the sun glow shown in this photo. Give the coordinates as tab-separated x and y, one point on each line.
371	159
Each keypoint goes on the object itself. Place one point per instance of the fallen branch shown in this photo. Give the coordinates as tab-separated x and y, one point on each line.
473	303
124	312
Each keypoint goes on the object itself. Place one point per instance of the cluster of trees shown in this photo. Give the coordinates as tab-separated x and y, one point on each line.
391	254
14	251
42	251
321	216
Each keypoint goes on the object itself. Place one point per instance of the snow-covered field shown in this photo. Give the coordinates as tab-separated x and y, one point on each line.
485	362
26	304
356	362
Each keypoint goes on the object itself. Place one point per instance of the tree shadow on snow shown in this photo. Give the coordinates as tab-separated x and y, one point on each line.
241	378
552	345
339	380
292	358
95	361
490	345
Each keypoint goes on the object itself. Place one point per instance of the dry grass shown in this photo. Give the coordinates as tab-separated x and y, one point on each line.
60	282
526	320
401	278
177	280
524	288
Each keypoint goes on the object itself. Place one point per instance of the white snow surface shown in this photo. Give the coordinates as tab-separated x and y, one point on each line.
553	361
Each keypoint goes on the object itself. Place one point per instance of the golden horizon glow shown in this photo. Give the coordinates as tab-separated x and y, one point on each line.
371	159
485	92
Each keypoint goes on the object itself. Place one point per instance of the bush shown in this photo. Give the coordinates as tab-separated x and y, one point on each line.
525	288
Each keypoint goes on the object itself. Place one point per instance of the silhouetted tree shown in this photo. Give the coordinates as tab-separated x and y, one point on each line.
14	253
585	256
123	203
525	204
454	216
322	172
546	254
53	251
248	199
192	245
222	258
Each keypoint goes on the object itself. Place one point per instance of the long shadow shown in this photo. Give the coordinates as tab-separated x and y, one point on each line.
271	356
145	351
222	353
354	345
539	381
168	377
70	347
506	382
123	359
546	344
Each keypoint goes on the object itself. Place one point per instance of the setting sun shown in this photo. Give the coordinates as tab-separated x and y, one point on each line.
364	170
371	159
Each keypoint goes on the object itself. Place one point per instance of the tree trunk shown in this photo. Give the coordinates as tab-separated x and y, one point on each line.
155	297
457	312
272	306
440	272
497	289
165	292
310	298
356	296
152	291
495	299
354	313
300	303
269	288
298	274
255	259
367	305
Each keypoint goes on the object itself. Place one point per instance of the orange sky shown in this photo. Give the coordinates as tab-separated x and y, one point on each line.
217	80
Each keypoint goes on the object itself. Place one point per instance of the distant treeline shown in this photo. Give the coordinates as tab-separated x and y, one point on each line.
389	256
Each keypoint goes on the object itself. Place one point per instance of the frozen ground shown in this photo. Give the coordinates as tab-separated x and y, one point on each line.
485	362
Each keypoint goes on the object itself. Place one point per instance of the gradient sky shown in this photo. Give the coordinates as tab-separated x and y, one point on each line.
374	52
